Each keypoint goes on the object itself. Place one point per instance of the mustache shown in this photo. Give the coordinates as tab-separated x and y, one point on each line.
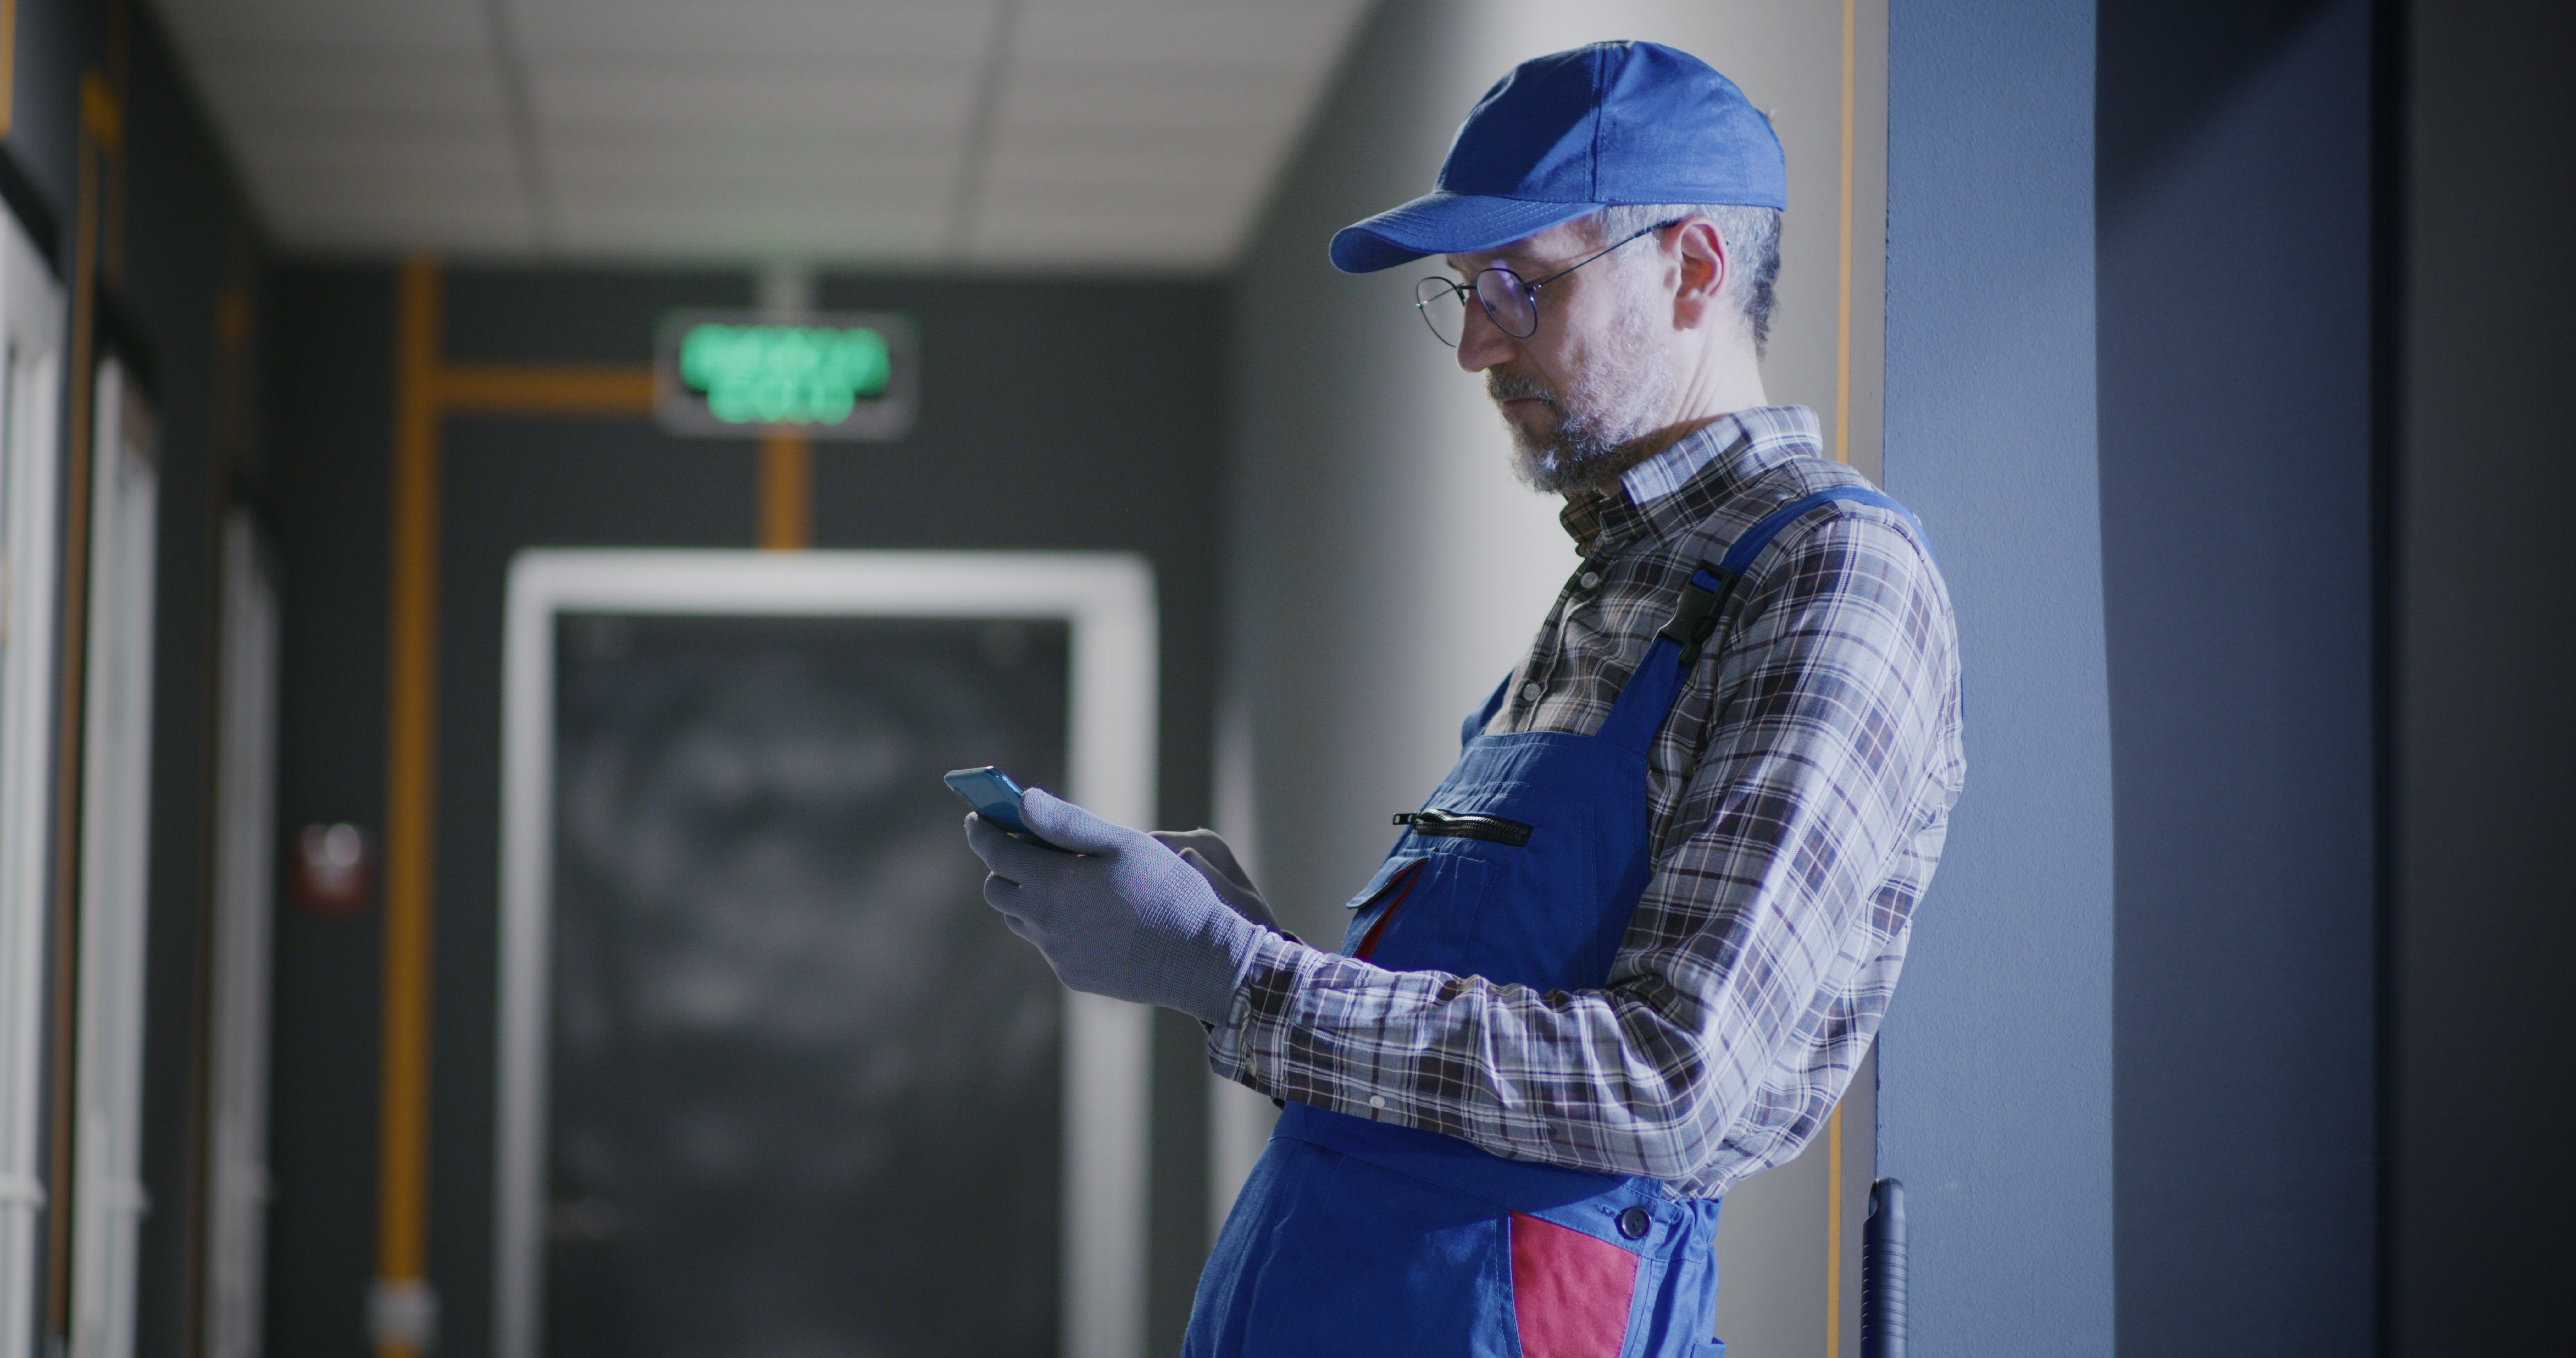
1501	386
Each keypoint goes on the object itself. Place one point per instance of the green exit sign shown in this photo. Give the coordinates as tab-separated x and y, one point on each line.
843	375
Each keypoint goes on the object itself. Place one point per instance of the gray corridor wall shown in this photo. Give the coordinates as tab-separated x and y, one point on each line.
1055	414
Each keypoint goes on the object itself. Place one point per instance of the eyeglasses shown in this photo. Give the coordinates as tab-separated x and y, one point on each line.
1511	303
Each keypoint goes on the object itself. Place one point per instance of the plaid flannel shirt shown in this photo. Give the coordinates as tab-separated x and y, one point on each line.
1798	795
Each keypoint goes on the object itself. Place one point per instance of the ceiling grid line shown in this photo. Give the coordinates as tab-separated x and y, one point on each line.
975	158
518	108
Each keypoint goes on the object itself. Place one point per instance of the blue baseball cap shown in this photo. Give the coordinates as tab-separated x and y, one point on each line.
1570	133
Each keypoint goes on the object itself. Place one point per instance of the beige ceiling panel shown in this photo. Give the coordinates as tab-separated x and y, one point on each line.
1143	169
1219	206
419	25
1181	141
1305	35
321	154
714	170
1129	133
699	233
795	147
680	95
801	30
806	202
304	78
409	190
1101	243
1118	94
295	166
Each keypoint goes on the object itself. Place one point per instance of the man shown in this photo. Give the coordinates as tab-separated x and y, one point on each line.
1630	951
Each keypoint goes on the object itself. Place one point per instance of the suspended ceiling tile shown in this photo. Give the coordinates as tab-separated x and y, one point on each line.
1109	179
807	201
789	148
296	172
339	166
1098	244
680	94
695	233
1119	94
714	171
1024	137
1306	35
450	25
396	225
1131	132
1040	204
398	191
307	79
809	30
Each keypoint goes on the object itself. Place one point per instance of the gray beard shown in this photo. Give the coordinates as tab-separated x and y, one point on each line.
1601	415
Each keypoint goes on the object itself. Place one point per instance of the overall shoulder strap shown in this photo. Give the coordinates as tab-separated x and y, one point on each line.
1475	726
1704	598
1651	689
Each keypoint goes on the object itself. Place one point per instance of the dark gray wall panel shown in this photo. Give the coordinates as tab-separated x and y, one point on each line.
2238	581
2485	733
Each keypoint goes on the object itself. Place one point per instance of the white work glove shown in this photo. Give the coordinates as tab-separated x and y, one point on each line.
1120	916
1208	852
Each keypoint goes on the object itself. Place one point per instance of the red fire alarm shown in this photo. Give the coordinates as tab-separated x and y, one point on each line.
333	870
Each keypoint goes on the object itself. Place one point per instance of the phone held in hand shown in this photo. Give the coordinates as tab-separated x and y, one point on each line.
996	798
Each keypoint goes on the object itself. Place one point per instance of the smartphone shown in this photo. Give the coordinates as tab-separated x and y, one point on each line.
997	799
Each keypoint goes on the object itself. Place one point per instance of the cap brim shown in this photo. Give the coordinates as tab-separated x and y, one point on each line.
1445	224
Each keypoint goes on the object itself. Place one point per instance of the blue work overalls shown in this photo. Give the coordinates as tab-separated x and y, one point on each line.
1355	1238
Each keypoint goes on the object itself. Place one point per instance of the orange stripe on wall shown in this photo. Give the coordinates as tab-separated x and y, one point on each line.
786	491
411	779
8	64
548	389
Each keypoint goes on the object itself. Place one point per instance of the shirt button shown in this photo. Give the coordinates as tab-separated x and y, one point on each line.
1530	692
1590	578
1377	1101
1633	1223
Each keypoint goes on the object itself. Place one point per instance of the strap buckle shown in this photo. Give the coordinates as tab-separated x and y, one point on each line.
1695	618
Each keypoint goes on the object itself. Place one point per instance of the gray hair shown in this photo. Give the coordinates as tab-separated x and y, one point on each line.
1752	237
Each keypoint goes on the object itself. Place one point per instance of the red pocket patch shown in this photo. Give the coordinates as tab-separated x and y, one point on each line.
1570	1292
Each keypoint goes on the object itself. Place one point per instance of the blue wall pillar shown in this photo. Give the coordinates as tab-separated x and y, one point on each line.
1995	1062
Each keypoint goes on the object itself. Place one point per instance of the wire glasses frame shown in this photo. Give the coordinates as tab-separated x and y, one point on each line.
1511	304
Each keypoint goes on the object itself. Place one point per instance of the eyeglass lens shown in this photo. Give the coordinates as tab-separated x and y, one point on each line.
1505	299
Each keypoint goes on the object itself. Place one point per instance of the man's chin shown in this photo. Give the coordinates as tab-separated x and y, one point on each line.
1543	468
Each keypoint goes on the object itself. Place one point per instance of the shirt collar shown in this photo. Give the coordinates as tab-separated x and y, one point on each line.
1665	472
1708	464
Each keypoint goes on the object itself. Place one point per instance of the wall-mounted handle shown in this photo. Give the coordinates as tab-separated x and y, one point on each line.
1882	1273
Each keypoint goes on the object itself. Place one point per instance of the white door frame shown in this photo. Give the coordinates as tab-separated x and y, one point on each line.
237	1187
1107	599
31	336
108	1200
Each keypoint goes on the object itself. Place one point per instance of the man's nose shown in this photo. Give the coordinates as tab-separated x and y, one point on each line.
1481	343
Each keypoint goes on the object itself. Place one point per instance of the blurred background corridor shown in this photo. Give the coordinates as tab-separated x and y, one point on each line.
507	507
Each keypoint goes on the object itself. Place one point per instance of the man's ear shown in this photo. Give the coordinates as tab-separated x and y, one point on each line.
1700	299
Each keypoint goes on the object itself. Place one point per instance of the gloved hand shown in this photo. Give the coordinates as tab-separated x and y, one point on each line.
1121	916
1206	851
